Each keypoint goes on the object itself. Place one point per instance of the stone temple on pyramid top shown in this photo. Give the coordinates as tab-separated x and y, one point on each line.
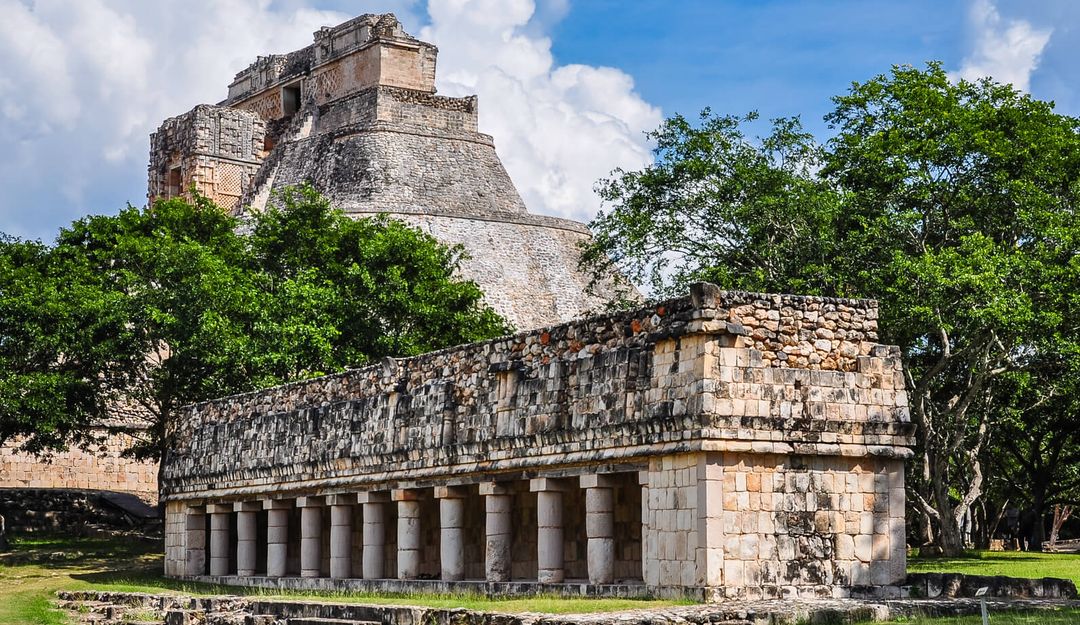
356	115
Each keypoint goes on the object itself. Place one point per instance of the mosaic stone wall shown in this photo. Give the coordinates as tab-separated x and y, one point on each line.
769	457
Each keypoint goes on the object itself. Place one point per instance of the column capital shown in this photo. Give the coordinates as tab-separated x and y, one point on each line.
219	508
247	506
346	499
539	484
406	494
310	502
373	496
277	504
495	488
451	492
643	478
597	480
196	509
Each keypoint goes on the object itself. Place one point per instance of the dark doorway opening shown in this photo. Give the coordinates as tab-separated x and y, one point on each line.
290	99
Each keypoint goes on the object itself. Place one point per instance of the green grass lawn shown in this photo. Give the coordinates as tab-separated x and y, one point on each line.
1009	563
39	566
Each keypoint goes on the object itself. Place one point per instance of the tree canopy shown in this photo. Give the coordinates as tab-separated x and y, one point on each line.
154	308
952	203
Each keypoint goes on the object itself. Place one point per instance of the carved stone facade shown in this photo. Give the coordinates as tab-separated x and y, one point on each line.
215	150
356	115
722	444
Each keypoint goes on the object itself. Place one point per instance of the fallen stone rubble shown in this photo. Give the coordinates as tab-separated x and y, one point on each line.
116	608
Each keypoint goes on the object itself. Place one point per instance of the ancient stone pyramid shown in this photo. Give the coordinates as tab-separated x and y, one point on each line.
356	115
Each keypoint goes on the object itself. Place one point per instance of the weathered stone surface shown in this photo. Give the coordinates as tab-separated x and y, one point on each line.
103	467
952	585
778	612
731	472
355	115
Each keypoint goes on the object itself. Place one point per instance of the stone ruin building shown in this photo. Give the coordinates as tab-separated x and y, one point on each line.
355	114
722	444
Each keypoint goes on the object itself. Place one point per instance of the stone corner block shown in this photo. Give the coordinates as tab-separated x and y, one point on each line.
373	496
277	504
451	492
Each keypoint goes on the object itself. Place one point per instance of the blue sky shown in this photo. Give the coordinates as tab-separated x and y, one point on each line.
567	87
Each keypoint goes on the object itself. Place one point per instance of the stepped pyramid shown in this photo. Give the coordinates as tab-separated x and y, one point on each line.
355	114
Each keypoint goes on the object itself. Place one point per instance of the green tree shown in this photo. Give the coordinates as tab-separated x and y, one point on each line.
379	287
954	204
721	207
1034	448
160	307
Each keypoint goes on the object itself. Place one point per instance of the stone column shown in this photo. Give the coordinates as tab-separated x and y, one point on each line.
310	535
600	527
219	537
408	532
498	564
549	525
341	527
452	531
277	536
246	534
195	541
374	555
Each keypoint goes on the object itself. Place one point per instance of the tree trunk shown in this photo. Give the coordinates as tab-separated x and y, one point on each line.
1038	520
4	545
950	538
1061	514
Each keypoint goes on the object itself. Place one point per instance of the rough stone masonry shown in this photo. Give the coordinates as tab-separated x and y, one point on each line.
355	114
723	444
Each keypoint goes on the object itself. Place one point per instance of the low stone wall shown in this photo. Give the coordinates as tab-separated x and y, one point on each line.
112	608
934	585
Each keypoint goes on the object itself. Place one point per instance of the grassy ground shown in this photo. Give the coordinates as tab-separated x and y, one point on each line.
1009	563
39	566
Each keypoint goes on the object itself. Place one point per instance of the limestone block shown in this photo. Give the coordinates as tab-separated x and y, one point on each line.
310	540
277	526
452	540
219	543
341	533
246	534
864	547
374	536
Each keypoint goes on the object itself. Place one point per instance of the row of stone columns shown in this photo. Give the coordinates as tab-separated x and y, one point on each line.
599	521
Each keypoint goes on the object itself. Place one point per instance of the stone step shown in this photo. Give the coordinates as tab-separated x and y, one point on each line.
316	620
184	617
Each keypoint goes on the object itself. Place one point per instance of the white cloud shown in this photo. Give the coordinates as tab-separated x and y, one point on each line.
82	84
1008	50
558	129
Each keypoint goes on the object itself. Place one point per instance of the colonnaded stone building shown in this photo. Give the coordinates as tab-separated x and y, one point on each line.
722	444
355	114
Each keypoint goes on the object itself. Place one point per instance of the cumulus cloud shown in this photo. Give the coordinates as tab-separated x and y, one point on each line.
83	84
557	128
1008	50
